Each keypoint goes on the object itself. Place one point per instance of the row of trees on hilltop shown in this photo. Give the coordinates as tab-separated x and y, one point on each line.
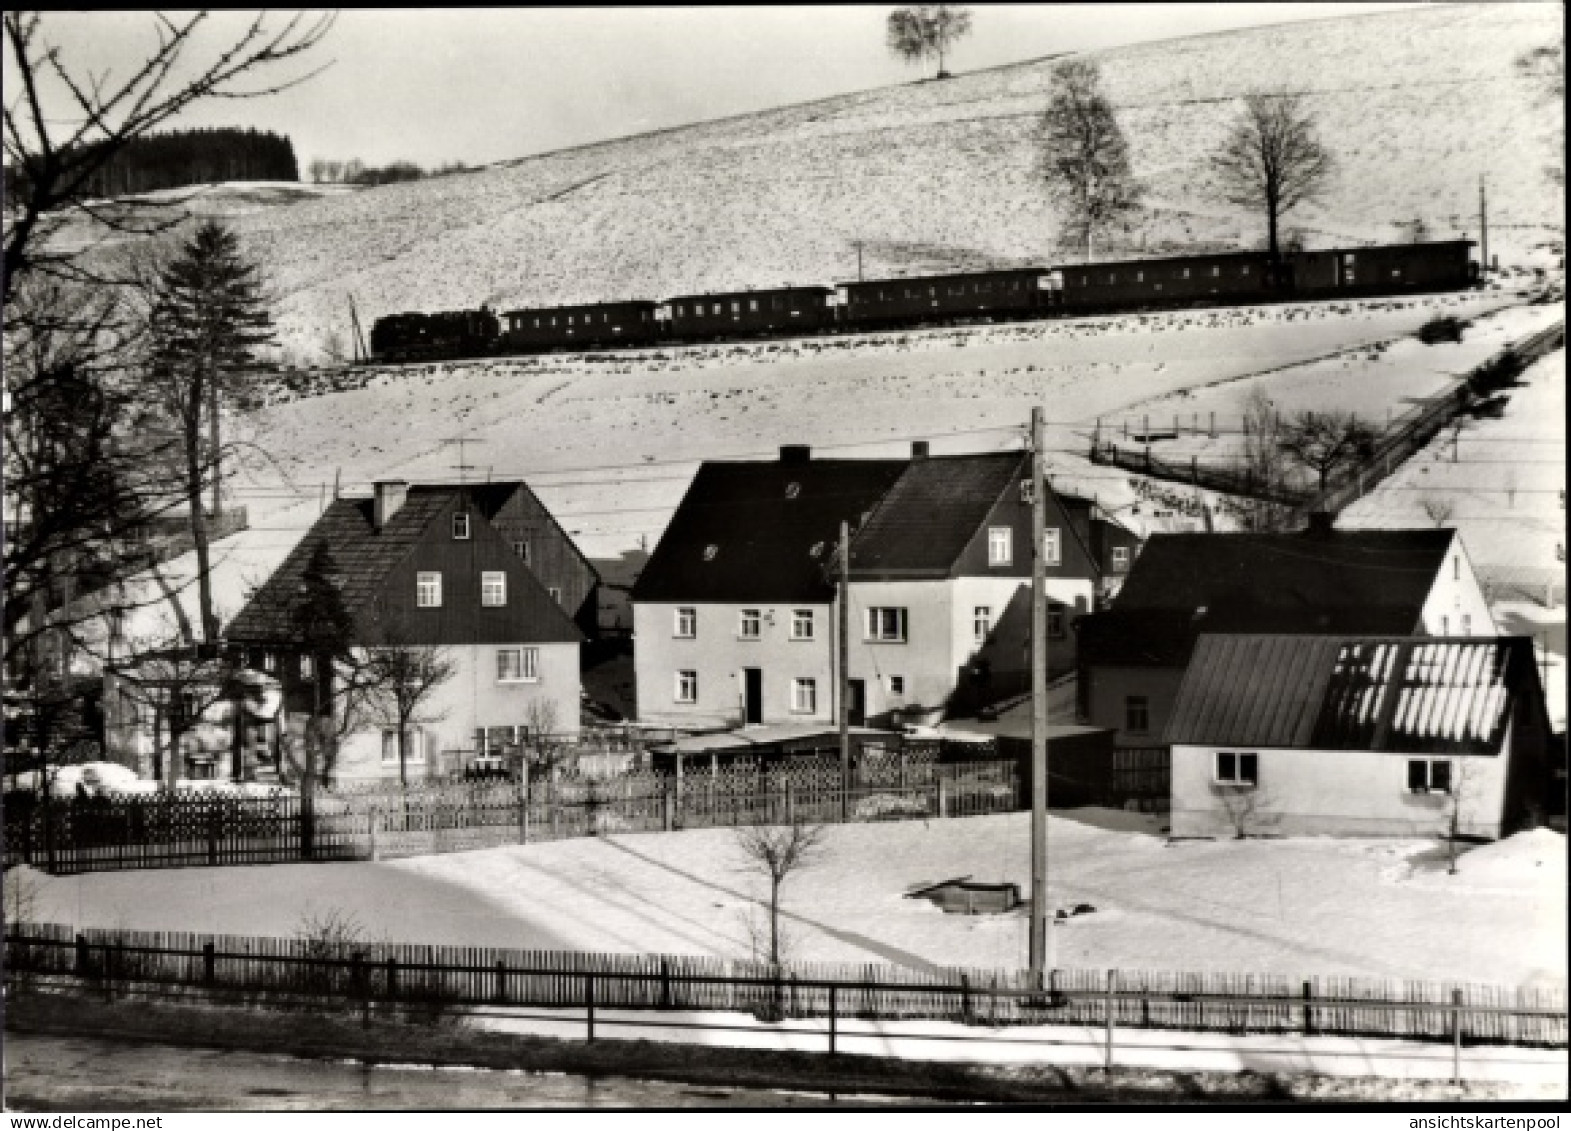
176	159
356	172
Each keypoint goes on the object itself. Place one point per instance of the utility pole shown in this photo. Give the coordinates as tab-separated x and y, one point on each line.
1038	939
845	654
1483	227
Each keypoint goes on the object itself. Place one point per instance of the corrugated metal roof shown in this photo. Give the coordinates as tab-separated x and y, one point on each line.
1400	694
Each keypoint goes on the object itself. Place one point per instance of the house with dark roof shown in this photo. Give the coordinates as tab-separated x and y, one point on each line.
1359	735
736	613
436	567
1318	581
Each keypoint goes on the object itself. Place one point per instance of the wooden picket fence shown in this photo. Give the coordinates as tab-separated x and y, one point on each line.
346	973
183	830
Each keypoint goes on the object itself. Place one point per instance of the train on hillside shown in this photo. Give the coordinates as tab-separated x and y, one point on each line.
1004	295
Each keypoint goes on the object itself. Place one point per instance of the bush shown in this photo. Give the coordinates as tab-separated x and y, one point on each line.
1442	328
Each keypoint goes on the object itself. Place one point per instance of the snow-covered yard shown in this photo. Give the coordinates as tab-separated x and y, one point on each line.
1293	906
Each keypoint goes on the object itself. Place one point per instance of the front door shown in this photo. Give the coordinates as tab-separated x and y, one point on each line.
856	703
752	696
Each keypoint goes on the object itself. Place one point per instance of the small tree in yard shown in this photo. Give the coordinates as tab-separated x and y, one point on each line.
1272	159
401	681
1263	467
1085	158
776	853
927	31
1324	442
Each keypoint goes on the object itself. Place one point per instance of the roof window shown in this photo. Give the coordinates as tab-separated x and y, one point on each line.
710	551
793	490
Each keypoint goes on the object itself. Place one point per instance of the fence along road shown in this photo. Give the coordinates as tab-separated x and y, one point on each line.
1314	1022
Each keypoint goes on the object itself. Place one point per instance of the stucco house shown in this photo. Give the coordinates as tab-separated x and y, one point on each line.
430	567
1319	581
1358	736
736	614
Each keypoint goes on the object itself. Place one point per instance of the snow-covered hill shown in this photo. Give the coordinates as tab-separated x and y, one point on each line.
1416	105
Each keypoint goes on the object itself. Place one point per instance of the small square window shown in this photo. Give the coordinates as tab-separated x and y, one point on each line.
305	667
1052	552
687	687
428	590
897	685
1000	546
802	627
461	525
522	550
493	588
886	625
1237	769
555	594
1429	775
1055	622
982	623
517	665
414	747
686	624
1120	558
750	626
804	696
1137	714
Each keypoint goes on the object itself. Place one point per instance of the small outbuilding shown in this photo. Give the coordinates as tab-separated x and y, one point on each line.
1338	735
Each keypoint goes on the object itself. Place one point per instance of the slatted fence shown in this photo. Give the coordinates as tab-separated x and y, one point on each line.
181	830
344	973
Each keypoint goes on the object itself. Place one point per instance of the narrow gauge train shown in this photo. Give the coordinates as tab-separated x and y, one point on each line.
1014	294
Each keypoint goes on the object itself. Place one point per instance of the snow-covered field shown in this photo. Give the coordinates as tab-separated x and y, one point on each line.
929	175
1292	906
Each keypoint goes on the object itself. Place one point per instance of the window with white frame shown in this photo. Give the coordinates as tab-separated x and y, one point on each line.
522	550
982	623
493	588
461	524
897	685
428	590
269	662
886	625
1429	775
1000	545
517	665
555	593
686	624
1052	551
750	625
802	627
414	747
1120	557
1237	769
804	696
687	687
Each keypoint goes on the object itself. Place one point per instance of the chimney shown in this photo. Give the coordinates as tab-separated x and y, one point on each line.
1320	524
918	449
795	453
390	496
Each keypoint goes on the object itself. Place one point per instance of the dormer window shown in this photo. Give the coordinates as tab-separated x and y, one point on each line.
461	525
793	490
710	551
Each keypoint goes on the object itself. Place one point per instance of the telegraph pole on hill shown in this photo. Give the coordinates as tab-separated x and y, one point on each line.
1038	947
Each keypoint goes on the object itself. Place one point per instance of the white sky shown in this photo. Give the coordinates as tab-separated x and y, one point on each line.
482	85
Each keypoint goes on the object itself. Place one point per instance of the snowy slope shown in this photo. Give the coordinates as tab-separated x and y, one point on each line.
1415	104
1294	906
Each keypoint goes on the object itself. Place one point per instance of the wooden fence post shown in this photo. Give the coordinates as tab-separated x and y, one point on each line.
501	981
213	823
209	964
83	962
371	821
1309	1017
1112	978
589	1004
665	983
833	1018
1456	1036
392	977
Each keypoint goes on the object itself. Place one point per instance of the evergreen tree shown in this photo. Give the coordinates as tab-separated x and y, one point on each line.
209	316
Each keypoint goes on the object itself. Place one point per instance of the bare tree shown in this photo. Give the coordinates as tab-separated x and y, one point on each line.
1085	158
1273	159
776	853
1324	442
1247	809
544	748
63	125
1264	473
177	685
401	681
927	31
1437	508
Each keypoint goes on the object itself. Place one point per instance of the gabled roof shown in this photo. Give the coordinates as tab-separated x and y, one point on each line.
932	512
762	531
1393	569
490	498
362	557
1410	695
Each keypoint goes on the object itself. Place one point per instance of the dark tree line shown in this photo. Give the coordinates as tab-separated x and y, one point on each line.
179	158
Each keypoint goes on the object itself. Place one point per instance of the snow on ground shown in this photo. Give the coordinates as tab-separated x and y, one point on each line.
1293	906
